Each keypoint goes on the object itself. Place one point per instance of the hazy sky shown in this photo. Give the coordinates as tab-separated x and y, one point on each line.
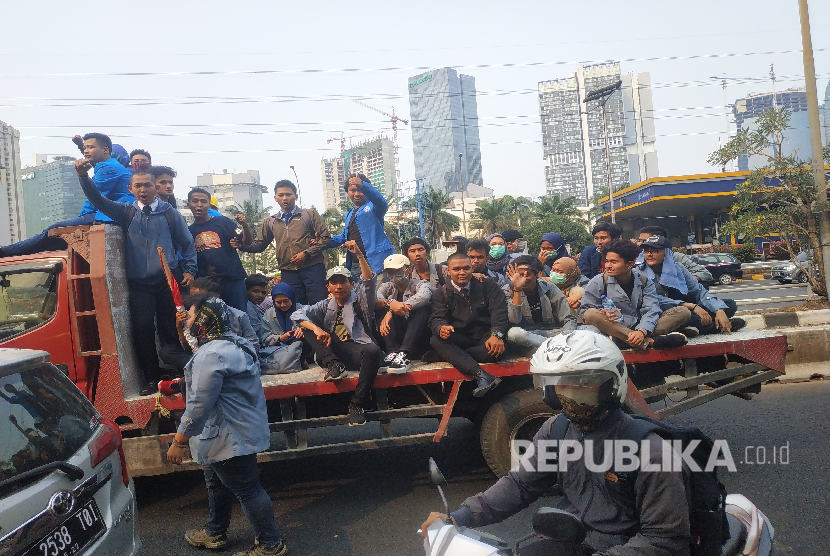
57	61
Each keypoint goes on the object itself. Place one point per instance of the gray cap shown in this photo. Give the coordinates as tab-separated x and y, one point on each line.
338	271
656	242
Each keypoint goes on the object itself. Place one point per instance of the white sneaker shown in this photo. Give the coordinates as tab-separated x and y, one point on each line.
400	365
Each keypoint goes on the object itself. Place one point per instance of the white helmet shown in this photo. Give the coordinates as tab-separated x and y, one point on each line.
579	358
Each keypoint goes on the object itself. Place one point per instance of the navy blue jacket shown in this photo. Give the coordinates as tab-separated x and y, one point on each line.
589	261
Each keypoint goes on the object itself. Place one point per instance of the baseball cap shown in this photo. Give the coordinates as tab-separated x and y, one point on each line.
395	261
213	202
656	242
338	271
510	236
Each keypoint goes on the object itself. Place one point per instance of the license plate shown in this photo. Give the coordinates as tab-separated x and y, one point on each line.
71	536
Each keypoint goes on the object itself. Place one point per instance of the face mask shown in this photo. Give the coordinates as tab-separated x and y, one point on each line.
400	280
497	251
521	245
558	278
586	417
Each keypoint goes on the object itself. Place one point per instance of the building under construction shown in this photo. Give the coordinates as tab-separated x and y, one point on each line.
374	158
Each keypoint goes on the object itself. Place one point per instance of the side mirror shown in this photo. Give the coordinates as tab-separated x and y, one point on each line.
558	525
435	474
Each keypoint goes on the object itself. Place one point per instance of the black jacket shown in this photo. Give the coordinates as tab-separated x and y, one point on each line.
485	313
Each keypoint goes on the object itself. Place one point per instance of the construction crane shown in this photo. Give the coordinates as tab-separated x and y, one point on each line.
392	118
342	140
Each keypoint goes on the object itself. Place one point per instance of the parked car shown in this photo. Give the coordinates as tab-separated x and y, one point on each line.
64	485
725	267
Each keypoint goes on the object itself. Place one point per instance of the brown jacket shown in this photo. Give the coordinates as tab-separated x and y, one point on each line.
289	239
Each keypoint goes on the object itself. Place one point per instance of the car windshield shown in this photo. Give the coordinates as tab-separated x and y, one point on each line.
43	418
27	300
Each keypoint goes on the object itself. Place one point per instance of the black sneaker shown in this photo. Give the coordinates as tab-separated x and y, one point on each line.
486	382
334	371
737	323
149	389
690	331
670	340
356	416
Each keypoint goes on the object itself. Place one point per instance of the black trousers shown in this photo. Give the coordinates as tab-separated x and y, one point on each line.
409	335
364	358
151	311
465	352
731	308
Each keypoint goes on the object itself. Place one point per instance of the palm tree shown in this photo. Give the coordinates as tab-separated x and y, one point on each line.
333	220
548	206
254	215
492	216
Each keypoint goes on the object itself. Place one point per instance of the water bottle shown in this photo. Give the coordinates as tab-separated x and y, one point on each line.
610	308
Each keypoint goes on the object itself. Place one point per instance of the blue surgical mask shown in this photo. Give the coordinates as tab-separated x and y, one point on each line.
558	278
497	251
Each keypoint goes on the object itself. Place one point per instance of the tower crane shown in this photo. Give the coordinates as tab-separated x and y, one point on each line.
392	118
342	140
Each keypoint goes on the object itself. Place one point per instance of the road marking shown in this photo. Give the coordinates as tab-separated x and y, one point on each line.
767	300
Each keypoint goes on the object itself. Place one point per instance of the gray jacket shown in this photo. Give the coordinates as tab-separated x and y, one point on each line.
556	313
655	523
225	415
324	313
418	293
641	310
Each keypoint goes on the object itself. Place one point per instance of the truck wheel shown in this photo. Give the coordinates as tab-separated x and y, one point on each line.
516	416
725	279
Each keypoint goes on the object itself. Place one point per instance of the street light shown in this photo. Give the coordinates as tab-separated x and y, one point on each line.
603	94
461	189
296	179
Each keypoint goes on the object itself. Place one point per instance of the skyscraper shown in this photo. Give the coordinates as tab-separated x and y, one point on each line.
51	193
444	122
573	139
12	219
796	138
233	189
375	159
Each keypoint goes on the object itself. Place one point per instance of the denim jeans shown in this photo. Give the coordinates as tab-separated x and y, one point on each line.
309	283
234	293
42	241
238	477
529	340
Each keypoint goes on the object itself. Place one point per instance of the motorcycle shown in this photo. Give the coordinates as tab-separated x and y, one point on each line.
561	533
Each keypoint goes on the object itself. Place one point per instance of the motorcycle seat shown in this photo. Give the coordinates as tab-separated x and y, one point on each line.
737	536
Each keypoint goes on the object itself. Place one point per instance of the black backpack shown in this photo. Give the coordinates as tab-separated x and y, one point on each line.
706	494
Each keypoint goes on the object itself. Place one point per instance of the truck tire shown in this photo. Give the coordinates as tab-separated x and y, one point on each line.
517	415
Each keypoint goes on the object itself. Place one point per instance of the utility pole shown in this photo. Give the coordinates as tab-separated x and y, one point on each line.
420	211
461	189
603	95
815	138
297	179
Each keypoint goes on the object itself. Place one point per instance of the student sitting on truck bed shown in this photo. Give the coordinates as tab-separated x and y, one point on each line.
148	224
281	337
340	330
676	287
111	179
638	322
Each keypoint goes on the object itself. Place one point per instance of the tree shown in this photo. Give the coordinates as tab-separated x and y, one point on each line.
333	220
553	214
438	223
254	215
780	196
491	217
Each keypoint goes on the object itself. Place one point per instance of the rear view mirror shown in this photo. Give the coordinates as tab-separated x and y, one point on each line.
558	525
435	474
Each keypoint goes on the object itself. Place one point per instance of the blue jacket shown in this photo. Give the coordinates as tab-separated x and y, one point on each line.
225	414
589	261
669	296
370	225
641	310
112	180
144	234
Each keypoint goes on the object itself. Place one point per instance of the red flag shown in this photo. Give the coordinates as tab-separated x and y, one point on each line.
174	286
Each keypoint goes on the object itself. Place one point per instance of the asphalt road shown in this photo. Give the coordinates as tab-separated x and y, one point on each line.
373	502
753	295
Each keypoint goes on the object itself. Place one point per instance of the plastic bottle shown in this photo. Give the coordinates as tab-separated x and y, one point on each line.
610	307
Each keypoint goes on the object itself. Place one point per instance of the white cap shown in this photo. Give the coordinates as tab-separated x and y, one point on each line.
395	262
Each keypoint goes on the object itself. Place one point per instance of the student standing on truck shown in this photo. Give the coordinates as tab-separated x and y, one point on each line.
111	179
225	425
636	321
148	223
140	160
340	330
403	307
590	260
469	323
364	225
536	308
217	259
676	287
164	176
299	236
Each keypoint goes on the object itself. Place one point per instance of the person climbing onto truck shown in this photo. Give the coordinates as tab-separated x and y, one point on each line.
225	425
148	223
340	330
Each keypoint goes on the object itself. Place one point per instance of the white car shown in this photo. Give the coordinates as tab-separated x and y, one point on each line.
64	486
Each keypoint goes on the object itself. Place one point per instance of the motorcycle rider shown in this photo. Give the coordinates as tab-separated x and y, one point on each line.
585	373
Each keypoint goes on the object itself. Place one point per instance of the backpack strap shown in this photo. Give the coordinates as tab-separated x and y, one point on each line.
168	215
